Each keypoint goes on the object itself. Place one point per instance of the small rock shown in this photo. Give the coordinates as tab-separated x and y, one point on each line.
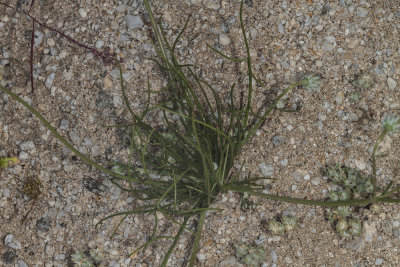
266	170
10	242
43	224
99	44
49	80
316	181
284	162
331	39
74	137
229	261
224	39
133	22
107	82
38	38
278	140
27	146
361	12
96	150
391	83
212	4
51	42
339	98
63	54
296	176
201	257
9	257
327	46
82	12
21	263
64	124
378	261
370	231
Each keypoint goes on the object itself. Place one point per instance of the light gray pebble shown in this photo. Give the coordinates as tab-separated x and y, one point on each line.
224	39
133	22
266	170
82	12
38	38
278	140
274	256
195	2
212	4
50	79
28	145
51	42
331	39
391	83
114	264
201	256
284	162
361	12
315	181
21	263
339	98
378	261
281	29
229	261
327	46
64	124
10	242
296	176
96	150
74	137
99	44
23	155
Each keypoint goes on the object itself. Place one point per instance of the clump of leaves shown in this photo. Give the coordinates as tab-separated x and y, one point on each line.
180	167
90	258
352	184
252	256
281	225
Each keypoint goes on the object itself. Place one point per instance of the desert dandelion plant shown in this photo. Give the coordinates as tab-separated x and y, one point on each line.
179	168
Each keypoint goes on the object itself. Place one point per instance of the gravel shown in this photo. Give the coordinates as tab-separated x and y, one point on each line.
133	22
79	95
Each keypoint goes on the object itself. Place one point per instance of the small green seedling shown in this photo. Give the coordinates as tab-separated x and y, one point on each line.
286	224
252	256
89	259
4	162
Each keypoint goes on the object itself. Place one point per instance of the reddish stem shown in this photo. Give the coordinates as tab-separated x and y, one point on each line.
32	47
